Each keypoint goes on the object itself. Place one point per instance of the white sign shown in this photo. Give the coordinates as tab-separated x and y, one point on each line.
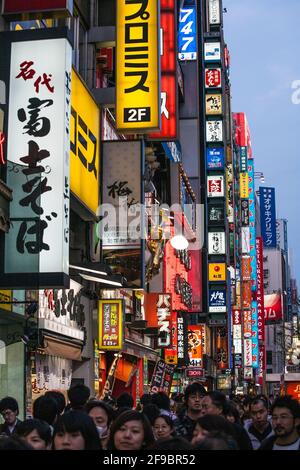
38	150
247	352
214	12
237	333
212	51
214	131
237	346
216	243
215	186
164	319
246	240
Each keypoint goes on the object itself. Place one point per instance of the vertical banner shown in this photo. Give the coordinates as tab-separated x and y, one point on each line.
109	383
168	73
195	345
222	348
182	339
137	69
38	165
252	224
122	228
255	344
268	216
171	354
161	380
260	310
187	32
110	321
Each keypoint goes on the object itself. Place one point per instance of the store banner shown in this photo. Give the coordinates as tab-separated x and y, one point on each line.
247	294
111	318
32	9
268	216
187	32
216	243
212	51
52	373
222	348
137	66
243	160
213	78
195	345
215	158
164	320
38	167
246	240
182	339
246	268
247	323
213	104
245	212
214	131
195	280
122	227
215	186
161	380
217	300
85	145
171	353
168	62
255	342
217	272
244	185
216	214
260	290
252	224
247	352
214	12
273	308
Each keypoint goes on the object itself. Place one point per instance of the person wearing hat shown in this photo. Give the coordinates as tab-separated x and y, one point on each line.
9	410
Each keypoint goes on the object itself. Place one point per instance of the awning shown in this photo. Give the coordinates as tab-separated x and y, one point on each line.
139	350
60	348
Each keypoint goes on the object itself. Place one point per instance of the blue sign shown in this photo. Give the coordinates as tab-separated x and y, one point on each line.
187	43
173	151
255	346
243	160
268	216
215	158
252	225
217	300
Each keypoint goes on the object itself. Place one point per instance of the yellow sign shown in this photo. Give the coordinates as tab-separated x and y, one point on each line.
138	72
213	103
84	145
244	185
6	296
110	324
217	272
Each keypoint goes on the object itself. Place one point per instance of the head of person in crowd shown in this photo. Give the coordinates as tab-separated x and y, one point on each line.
75	430
173	443
232	413
102	415
152	412
9	410
35	432
124	401
14	443
285	413
193	396
217	440
207	424
78	396
146	399
214	403
45	408
259	413
163	427
161	400
59	397
246	407
131	430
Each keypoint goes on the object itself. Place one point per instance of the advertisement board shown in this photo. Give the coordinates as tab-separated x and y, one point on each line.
187	33
215	158
110	319
214	131
213	78
268	216
215	186
216	243
212	51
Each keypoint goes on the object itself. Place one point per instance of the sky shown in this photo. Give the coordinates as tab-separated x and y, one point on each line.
263	37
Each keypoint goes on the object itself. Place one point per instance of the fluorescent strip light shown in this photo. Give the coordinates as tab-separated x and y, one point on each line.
102	281
88	270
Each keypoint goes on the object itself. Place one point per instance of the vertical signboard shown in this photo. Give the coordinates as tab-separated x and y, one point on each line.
164	320
84	156
214	12
168	73
213	78
161	380
222	348
121	229
110	324
252	224
38	147
195	345
187	33
268	216
18	9
216	243
212	51
260	309
137	69
255	344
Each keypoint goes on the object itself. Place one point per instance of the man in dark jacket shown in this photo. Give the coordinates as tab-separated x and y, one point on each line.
186	422
9	409
285	413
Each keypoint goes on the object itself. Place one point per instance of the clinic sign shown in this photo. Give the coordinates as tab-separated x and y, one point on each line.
137	71
268	216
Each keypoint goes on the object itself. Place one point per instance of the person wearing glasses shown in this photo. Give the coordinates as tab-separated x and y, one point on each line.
9	409
285	413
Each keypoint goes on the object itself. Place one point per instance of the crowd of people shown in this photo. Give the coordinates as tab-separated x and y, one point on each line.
195	420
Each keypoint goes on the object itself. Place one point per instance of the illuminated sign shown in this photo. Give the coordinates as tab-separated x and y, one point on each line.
216	243
164	320
110	324
217	300
213	103
214	131
137	66
215	186
31	9
217	272
212	51
187	38
168	73
244	186
213	78
2	140
196	343
38	147
214	12
215	158
84	148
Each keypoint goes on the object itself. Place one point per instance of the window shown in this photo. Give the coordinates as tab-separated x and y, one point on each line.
269	358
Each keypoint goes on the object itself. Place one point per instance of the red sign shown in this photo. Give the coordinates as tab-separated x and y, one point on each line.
212	78
195	280
168	73
293	388
247	294
18	8
194	373
242	133
171	356
164	320
195	344
273	308
247	324
260	289
222	348
236	317
246	268
2	140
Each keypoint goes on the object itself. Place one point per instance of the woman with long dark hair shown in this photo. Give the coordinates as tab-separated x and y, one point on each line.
75	430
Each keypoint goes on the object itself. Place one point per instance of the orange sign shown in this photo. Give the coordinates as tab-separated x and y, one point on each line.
195	344
246	268
293	388
217	272
247	294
